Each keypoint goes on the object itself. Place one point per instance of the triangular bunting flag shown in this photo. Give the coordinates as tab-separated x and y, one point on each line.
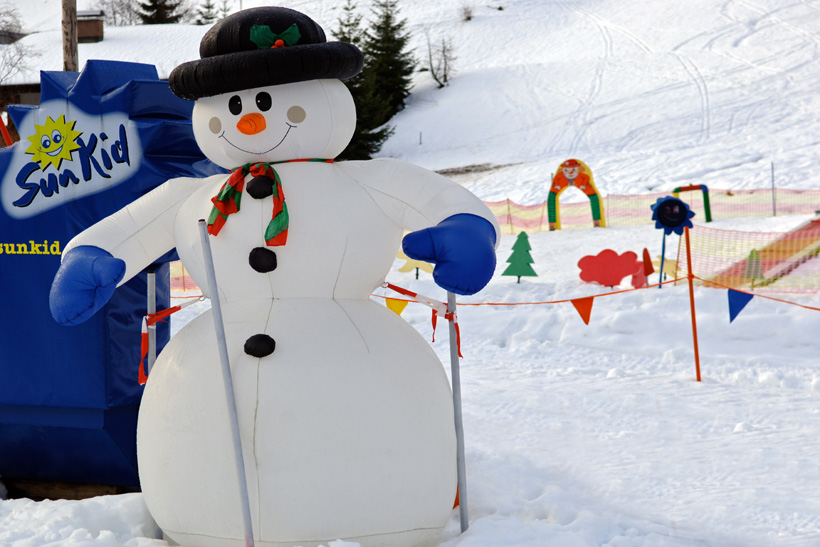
737	301
396	305
584	307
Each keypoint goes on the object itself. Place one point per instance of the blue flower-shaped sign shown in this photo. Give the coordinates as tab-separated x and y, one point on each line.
672	215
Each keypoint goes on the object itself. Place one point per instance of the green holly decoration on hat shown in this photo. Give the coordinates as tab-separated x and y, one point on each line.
265	38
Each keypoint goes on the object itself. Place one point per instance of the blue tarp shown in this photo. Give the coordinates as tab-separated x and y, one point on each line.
98	140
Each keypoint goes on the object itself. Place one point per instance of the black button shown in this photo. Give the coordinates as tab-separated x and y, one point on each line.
262	260
259	345
260	187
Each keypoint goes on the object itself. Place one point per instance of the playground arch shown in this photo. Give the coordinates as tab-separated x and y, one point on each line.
577	174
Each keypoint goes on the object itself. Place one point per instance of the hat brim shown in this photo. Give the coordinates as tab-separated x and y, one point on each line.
249	69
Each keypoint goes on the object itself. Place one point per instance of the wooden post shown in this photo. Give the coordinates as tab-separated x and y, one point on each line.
70	63
691	278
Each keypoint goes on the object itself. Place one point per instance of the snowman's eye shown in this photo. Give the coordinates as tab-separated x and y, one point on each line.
235	105
263	101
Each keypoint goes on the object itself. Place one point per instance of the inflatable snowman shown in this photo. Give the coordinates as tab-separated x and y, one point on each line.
345	412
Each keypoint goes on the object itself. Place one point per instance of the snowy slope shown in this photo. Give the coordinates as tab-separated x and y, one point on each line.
42	15
651	94
177	44
598	435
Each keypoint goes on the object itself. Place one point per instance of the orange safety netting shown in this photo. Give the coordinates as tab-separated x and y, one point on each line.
756	261
719	255
634	210
180	279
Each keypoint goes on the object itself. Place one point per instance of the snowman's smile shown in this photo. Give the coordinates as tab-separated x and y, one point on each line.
222	136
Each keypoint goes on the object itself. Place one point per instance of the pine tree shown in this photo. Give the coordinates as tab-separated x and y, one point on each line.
371	109
370	132
207	13
520	259
349	28
225	8
388	65
158	12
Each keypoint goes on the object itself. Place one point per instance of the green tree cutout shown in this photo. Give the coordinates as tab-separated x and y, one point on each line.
520	259
754	268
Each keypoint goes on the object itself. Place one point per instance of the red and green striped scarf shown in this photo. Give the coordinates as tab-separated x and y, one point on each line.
227	201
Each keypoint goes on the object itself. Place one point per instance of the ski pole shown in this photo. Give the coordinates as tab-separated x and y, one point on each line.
219	327
456	378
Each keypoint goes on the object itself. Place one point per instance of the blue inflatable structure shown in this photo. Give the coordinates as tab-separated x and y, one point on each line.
100	139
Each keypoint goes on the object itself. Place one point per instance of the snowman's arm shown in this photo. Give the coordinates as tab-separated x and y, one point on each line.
449	226
413	197
143	230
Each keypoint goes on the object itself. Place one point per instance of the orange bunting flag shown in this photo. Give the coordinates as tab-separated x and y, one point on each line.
396	306
584	307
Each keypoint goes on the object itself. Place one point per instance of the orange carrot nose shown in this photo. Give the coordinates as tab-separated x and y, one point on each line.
251	124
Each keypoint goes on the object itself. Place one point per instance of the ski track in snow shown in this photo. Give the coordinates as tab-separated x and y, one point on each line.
769	15
579	121
703	92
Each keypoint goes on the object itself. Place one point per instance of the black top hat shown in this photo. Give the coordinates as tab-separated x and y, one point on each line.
263	46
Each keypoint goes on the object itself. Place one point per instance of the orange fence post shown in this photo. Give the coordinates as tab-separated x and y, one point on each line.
690	276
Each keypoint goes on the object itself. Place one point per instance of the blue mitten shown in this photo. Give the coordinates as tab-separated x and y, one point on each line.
463	249
83	284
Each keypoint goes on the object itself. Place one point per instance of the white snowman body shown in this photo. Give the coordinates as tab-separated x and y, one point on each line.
347	427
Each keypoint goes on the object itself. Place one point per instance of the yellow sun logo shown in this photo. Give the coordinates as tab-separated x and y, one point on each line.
53	142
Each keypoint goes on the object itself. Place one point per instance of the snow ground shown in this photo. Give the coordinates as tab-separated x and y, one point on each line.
599	435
